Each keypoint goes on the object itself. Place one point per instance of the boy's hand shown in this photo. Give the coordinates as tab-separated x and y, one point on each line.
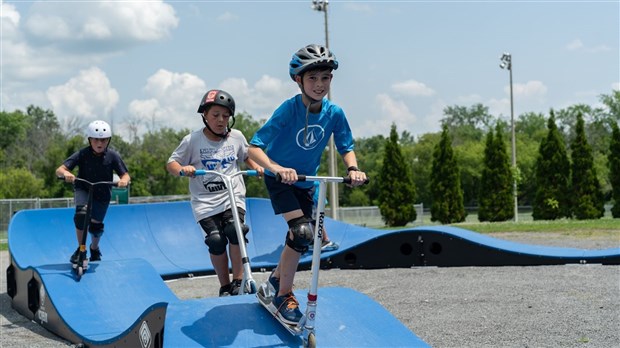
188	171
69	177
260	170
288	175
123	183
357	177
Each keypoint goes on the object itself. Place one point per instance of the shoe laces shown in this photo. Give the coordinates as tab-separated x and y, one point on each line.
290	301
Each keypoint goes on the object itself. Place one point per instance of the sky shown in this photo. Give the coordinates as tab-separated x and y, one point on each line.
144	65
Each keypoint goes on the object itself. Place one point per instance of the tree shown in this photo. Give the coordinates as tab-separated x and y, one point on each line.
496	196
20	183
588	202
614	169
396	190
551	200
447	205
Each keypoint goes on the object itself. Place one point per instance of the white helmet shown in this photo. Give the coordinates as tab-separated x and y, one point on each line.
99	130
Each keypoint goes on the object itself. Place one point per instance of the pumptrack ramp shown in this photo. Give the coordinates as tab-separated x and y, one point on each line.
122	301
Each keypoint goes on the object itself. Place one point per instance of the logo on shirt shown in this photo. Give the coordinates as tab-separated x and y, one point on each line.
314	136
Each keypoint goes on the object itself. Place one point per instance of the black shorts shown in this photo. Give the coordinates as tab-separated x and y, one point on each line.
216	222
286	198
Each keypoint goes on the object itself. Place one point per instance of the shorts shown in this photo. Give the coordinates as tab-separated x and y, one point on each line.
286	198
216	222
99	208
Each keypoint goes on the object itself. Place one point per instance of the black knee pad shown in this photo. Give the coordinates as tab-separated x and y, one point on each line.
216	242
79	217
96	228
302	232
231	232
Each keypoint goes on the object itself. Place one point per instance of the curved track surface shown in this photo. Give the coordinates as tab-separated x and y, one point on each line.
123	301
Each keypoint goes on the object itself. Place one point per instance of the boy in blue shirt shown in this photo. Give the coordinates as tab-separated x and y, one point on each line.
292	142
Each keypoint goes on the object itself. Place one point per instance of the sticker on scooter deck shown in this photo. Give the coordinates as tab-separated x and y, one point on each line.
266	302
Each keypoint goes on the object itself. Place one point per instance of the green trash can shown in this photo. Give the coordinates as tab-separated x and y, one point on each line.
120	195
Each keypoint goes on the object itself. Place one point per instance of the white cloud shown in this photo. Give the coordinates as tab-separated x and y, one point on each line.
172	101
88	95
574	45
227	17
9	20
115	22
532	90
390	111
615	86
261	99
577	44
413	88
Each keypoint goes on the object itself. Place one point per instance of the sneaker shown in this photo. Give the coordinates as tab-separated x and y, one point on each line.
95	254
328	245
287	309
235	287
273	284
74	258
225	290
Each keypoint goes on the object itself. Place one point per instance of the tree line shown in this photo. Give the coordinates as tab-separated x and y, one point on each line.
466	164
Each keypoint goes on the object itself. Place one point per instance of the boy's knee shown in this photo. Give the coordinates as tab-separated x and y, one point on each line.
96	228
302	232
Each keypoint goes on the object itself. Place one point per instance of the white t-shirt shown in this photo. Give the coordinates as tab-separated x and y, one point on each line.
208	192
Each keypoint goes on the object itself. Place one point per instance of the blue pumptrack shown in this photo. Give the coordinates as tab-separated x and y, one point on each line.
123	301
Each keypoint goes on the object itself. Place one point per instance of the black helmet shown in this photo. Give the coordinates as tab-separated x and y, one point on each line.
217	97
310	57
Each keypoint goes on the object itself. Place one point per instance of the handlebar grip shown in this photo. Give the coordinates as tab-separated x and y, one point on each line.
197	172
300	177
251	173
347	180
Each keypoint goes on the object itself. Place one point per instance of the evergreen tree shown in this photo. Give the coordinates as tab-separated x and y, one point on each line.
396	189
496	196
447	205
588	201
552	176
614	169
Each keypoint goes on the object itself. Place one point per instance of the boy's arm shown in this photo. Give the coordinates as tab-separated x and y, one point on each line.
357	176
175	168
255	166
64	172
124	182
256	154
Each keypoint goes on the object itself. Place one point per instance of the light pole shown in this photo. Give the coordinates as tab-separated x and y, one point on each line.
321	6
506	63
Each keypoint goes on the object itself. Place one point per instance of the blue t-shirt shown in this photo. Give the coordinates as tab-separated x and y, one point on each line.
282	137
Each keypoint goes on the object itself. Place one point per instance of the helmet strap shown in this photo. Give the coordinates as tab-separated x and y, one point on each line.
228	128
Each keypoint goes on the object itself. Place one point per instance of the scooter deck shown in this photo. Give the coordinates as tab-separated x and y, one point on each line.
266	303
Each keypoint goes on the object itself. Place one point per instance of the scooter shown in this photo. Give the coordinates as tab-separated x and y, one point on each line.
248	284
80	267
306	328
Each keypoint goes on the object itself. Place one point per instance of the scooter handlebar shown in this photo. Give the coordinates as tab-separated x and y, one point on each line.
205	172
111	183
342	179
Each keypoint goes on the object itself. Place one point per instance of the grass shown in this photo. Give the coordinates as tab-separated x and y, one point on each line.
576	228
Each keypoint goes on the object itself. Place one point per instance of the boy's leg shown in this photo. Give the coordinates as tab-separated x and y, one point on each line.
235	260
220	265
289	260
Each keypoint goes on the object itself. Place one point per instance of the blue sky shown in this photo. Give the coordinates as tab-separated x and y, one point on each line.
145	64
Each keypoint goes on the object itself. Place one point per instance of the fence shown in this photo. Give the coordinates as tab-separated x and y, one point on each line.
363	216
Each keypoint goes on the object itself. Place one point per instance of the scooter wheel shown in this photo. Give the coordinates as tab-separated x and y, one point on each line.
252	287
311	343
